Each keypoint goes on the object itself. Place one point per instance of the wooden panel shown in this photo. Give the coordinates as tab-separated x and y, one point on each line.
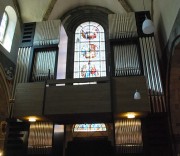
123	94
29	99
77	99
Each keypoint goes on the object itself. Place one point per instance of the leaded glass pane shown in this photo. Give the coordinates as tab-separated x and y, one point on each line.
3	26
90	127
89	51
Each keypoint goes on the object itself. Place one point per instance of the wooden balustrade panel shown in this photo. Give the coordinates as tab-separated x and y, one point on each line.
29	99
123	95
74	100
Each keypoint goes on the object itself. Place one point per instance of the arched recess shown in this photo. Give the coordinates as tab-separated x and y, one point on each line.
72	19
12	20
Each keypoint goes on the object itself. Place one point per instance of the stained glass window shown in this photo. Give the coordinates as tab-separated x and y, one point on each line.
89	127
3	26
89	54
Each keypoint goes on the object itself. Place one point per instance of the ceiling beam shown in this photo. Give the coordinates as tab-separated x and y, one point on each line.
125	5
18	12
50	8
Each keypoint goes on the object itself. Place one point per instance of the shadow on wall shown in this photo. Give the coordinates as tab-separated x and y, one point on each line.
174	38
161	33
172	52
168	47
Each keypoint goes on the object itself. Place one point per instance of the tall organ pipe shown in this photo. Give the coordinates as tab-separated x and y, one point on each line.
126	60
44	62
21	67
158	106
151	71
158	75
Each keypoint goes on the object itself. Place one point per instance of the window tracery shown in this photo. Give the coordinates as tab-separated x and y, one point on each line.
89	53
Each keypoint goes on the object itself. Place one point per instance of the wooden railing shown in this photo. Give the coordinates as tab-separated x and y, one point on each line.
65	100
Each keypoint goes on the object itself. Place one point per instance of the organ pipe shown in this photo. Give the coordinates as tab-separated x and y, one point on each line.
126	60
47	32
44	64
122	26
21	74
152	73
40	138
128	135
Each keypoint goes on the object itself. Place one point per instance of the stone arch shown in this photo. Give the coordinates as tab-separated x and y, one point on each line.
72	19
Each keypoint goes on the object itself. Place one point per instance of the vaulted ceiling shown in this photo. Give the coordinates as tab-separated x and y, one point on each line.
38	10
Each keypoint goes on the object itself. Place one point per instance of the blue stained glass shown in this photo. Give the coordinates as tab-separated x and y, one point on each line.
89	127
89	50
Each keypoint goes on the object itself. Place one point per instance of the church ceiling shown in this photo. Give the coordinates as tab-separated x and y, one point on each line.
38	10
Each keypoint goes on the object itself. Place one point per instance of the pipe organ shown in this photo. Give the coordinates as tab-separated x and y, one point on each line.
41	34
133	55
40	138
22	67
44	65
129	136
122	26
152	73
122	30
126	60
47	33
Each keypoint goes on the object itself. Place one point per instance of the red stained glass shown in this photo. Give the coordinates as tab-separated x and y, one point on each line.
89	51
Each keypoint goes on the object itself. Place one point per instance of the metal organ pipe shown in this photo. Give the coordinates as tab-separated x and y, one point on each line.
43	62
156	90
151	74
132	61
19	67
129	59
21	74
126	60
40	138
151	71
128	135
161	94
122	25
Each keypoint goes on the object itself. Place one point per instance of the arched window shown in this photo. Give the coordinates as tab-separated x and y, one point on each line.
3	26
89	52
89	127
7	28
